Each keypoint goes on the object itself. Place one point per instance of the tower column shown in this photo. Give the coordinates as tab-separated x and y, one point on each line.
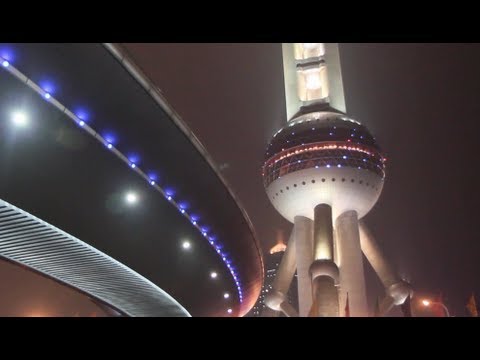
376	258
286	269
397	290
324	272
277	299
303	233
350	262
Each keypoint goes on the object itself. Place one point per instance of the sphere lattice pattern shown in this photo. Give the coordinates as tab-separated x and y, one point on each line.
322	139
323	158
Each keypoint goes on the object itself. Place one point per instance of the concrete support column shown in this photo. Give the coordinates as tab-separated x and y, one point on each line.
303	234
323	233
396	289
324	272
352	279
286	269
324	284
288	309
276	299
376	258
386	305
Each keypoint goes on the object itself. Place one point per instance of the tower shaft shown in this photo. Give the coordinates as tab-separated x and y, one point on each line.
313	77
350	262
323	270
303	232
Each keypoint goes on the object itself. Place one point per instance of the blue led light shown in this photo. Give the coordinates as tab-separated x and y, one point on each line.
132	165
169	197
82	114
194	222
182	211
183	205
109	145
5	63
364	160
204	233
152	182
169	192
49	87
339	165
7	54
152	176
81	122
47	95
111	138
328	166
316	166
330	134
344	156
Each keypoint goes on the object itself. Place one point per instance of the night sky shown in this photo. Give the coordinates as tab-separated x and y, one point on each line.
419	100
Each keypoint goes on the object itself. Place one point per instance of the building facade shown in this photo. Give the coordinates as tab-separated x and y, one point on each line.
272	262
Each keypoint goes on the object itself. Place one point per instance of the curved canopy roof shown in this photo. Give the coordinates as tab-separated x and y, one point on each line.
32	242
93	134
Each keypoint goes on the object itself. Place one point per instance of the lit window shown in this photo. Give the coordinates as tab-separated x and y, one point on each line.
312	83
308	50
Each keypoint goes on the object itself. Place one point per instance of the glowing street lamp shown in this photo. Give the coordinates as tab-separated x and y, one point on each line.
19	119
428	303
131	198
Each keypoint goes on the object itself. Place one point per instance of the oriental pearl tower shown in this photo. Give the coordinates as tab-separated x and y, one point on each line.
324	172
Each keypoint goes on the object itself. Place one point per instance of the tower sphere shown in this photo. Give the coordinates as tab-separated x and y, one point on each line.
323	157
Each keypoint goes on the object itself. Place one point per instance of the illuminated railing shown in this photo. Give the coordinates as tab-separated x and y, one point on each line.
323	155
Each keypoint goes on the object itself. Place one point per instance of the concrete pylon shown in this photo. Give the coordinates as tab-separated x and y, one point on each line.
286	269
350	262
303	233
323	271
396	289
277	299
375	257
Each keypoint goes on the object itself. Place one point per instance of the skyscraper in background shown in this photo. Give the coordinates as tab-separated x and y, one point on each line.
272	262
